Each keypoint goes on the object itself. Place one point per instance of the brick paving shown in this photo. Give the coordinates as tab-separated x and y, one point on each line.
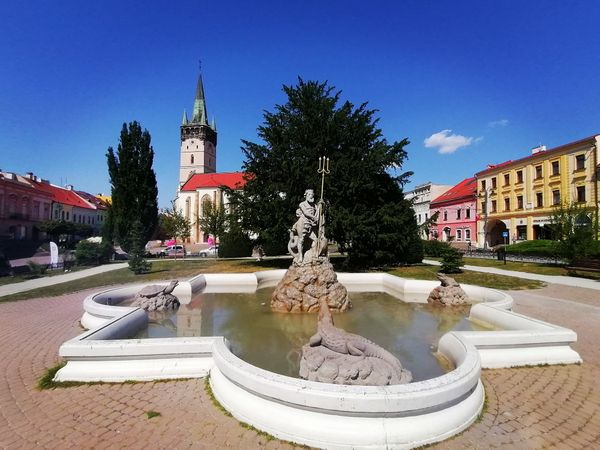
540	407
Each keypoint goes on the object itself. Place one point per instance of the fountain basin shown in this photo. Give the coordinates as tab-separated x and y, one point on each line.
319	414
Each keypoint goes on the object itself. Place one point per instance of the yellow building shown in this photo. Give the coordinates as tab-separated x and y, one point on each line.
516	199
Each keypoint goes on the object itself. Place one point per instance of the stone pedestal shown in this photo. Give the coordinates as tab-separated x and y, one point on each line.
449	293
303	285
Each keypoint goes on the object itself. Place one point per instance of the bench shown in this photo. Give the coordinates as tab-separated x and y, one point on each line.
585	265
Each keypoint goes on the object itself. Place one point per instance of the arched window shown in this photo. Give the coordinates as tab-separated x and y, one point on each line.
187	208
191	159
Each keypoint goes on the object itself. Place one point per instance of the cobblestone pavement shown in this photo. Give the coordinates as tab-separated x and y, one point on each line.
540	407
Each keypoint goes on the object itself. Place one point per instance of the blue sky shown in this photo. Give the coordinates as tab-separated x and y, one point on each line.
503	76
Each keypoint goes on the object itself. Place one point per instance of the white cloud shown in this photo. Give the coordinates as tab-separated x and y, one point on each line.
449	143
498	123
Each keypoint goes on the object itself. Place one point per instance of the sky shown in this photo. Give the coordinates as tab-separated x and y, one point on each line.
469	83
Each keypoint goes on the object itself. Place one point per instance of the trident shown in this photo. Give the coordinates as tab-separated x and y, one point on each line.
323	170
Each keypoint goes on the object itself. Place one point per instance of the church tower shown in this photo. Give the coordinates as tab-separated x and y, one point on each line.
198	140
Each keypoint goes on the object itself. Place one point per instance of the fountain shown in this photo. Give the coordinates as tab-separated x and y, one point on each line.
324	408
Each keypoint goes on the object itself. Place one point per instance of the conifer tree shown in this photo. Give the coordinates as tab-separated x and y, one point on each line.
133	182
367	214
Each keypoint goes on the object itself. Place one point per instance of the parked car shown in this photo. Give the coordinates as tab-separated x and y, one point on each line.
210	251
173	250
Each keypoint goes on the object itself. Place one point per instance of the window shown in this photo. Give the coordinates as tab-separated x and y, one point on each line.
507	204
493	206
539	200
483	185
459	235
468	213
191	159
458	213
494	183
521	232
445	215
506	179
519	202
556	197
419	220
538	172
484	208
426	216
581	193
555	168
467	234
580	162
519	176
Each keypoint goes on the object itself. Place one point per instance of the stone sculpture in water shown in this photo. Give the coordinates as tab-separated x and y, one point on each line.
311	275
156	297
336	356
449	293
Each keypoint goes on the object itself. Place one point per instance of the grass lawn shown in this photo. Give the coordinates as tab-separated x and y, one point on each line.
183	269
427	272
49	273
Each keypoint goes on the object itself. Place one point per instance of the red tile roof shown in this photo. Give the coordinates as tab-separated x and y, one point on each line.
97	202
541	155
233	180
463	190
64	196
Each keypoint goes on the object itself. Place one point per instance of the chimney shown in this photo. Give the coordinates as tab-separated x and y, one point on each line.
538	149
69	187
30	175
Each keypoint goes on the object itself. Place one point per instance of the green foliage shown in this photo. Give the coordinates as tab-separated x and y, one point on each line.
434	248
235	243
452	261
36	270
152	414
137	263
213	219
46	381
575	229
92	253
57	228
540	247
133	182
172	224
5	268
367	214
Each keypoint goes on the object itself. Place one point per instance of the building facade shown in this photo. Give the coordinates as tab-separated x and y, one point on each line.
421	197
516	199
22	207
457	214
203	188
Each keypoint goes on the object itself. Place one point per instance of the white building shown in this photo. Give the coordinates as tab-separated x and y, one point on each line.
421	197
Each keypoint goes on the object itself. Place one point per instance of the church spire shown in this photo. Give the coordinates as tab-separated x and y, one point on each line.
200	115
184	121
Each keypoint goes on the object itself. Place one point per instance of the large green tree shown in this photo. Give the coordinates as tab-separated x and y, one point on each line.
133	182
367	214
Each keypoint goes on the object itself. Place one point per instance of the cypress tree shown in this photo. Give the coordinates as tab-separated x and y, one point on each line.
133	182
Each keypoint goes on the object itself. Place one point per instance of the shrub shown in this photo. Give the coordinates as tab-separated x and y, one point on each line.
137	263
36	270
452	261
5	268
235	243
435	248
540	247
92	253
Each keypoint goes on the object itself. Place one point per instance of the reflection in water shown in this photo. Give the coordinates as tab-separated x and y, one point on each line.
274	341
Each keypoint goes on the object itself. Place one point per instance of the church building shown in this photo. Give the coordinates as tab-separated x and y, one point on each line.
199	181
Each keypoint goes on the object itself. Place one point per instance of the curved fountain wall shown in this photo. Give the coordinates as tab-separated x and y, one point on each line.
318	414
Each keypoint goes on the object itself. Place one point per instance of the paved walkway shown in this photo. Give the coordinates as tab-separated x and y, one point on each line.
550	279
527	408
9	289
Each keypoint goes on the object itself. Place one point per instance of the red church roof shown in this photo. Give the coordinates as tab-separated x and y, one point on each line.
233	180
64	196
463	190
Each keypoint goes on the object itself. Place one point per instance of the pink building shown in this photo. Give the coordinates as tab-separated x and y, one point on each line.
457	219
